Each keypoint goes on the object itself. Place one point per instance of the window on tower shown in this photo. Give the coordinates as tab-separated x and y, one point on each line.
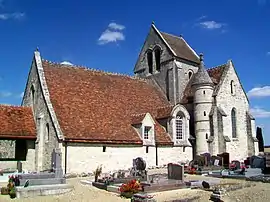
150	61
157	58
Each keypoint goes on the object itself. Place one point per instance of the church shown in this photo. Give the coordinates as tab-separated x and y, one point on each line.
172	109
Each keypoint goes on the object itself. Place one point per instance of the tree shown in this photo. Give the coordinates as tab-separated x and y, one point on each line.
259	136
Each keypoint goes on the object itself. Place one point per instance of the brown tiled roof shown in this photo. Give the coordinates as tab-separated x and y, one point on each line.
16	122
180	47
162	137
99	107
215	74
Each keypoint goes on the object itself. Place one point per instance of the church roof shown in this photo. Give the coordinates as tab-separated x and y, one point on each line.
16	122
99	107
180	47
215	74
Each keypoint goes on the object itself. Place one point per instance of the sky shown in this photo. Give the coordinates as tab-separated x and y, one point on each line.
108	35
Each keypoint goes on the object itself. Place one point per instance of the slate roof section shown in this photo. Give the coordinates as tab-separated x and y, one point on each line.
180	47
201	76
16	122
99	107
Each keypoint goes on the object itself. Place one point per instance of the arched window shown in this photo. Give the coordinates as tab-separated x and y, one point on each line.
32	97
179	127
189	74
157	58
150	61
233	119
204	113
232	87
206	136
47	136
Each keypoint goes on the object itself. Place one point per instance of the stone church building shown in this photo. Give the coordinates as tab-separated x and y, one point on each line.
171	109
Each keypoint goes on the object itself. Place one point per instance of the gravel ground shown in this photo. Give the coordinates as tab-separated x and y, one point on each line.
85	193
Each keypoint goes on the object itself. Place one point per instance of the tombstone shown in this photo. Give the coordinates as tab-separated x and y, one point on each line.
57	163
257	162
225	159
199	160
217	161
19	166
207	158
175	171
138	168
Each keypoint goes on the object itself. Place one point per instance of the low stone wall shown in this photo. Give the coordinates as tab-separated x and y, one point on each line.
8	165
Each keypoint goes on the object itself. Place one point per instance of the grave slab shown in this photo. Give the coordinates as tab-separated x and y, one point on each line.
43	190
34	182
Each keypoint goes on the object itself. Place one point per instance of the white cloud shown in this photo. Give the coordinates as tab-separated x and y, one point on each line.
66	63
211	25
258	112
5	94
259	92
112	34
115	26
15	16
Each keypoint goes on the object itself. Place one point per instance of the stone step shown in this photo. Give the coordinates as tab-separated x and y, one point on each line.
33	182
43	190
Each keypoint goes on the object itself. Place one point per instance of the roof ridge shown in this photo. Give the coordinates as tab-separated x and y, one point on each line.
215	67
95	70
11	105
180	37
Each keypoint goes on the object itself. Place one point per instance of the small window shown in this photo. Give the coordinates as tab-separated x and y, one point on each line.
204	92
184	149
233	120
232	87
206	136
147	149
146	132
150	61
32	96
157	58
189	74
204	113
47	132
104	149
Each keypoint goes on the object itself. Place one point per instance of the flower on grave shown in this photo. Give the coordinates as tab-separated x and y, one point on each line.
133	186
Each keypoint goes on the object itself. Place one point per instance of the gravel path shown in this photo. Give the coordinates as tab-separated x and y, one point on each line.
86	193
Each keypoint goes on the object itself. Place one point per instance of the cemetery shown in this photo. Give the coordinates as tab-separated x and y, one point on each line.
139	184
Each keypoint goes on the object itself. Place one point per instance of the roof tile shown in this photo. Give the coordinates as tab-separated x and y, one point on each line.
99	107
17	122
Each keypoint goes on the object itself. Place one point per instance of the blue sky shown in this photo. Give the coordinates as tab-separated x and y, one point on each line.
108	35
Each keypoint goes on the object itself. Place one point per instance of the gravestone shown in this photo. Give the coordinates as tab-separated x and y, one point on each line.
257	162
57	163
225	159
138	169
175	171
207	158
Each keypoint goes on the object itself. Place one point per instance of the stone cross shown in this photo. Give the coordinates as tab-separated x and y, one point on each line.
57	163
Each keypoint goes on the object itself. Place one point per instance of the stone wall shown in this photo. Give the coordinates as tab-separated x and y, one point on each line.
85	158
238	147
7	148
45	142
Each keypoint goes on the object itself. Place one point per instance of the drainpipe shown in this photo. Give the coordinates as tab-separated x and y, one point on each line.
65	143
156	155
